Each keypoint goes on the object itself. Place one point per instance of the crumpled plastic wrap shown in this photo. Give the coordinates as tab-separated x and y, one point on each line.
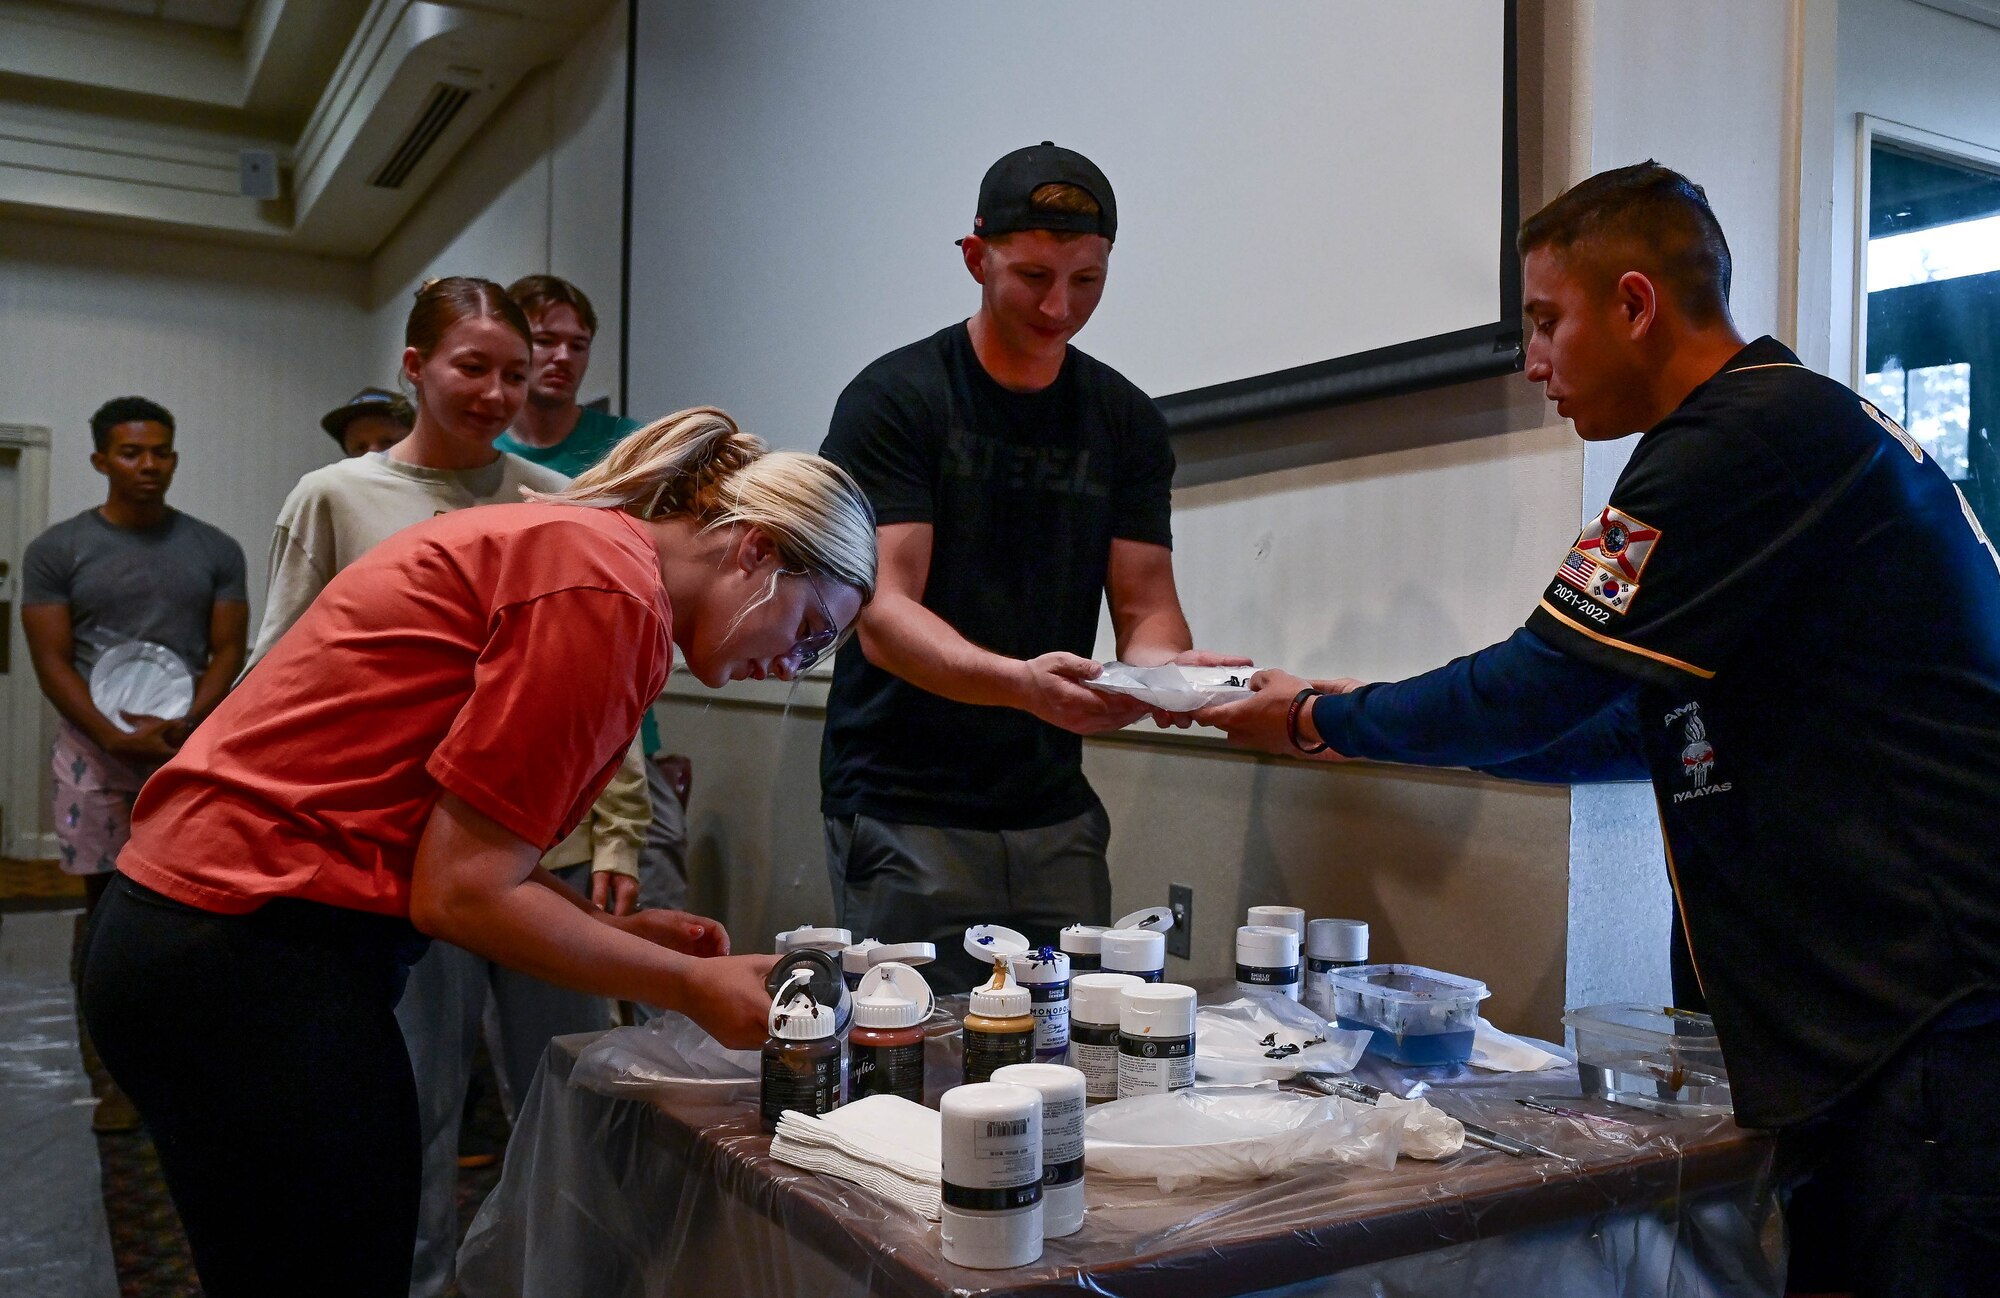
1255	1038
1173	688
1247	1134
618	1189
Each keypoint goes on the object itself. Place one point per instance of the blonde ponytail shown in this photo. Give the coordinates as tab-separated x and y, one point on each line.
698	464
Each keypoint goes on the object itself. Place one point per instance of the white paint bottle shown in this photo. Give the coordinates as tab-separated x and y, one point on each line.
1061	1089
1290	917
1267	960
991	1186
1156	1040
1095	1000
1140	952
1331	945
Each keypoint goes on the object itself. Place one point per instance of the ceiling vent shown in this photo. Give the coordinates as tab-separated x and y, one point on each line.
439	108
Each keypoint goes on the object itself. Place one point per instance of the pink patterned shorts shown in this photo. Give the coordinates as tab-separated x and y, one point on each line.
94	795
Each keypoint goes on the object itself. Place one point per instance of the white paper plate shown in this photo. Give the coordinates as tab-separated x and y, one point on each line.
143	678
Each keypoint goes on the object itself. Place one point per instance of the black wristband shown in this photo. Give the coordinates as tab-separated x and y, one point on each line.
1292	722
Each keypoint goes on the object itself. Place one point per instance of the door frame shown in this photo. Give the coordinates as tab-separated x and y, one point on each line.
21	703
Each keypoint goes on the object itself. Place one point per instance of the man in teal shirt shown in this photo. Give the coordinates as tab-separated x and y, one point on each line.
554	431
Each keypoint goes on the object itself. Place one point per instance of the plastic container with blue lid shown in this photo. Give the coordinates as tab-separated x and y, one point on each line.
1418	1016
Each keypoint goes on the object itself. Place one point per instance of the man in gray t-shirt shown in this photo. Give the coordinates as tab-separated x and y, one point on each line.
128	574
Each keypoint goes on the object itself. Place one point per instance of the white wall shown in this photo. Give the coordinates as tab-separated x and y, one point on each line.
1910	64
539	189
247	348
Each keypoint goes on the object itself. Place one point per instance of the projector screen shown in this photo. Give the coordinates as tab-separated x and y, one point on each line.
1315	197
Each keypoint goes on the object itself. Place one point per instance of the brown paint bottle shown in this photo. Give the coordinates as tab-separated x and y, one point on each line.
886	1043
1000	1027
803	1060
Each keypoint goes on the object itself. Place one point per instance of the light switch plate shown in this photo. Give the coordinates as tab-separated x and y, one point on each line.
1180	938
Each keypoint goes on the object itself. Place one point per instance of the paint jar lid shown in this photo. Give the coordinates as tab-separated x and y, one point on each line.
819	939
802	1019
1157	1010
1157	918
1042	965
1132	948
985	941
909	953
892	995
1081	939
1267	946
1338	939
1290	917
819	973
1002	998
1096	997
854	960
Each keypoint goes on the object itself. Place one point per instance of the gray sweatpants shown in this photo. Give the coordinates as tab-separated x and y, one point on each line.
926	883
441	1014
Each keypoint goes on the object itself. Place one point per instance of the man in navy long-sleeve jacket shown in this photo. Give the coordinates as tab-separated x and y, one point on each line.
1788	619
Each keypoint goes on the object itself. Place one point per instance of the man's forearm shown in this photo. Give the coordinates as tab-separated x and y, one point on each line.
67	691
900	635
214	684
1159	637
1501	704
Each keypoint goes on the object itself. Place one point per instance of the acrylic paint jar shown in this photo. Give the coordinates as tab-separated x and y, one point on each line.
1094	1003
1136	951
885	1047
1080	942
854	961
1331	944
1156	1040
991	1183
803	1060
1045	973
1290	917
1267	959
1061	1089
999	1027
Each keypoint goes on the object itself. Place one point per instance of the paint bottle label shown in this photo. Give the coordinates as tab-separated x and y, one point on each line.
986	1051
1093	1051
1051	1011
813	1089
1317	992
1005	1158
1284	980
1062	1141
1154	1065
888	1070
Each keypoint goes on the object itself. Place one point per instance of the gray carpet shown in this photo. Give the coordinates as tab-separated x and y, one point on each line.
53	1239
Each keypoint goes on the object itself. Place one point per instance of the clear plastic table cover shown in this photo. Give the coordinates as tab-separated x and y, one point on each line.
621	1182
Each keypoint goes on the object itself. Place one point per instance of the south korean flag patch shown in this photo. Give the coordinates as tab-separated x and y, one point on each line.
1608	557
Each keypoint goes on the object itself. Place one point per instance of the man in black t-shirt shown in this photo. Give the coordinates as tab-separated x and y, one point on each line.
1016	482
1789	619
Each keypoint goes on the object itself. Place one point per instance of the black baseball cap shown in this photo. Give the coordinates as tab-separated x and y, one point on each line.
370	401
1003	195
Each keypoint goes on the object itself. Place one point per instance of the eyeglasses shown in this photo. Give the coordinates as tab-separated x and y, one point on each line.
814	646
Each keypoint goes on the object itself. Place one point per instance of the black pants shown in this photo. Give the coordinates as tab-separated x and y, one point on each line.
263	1053
925	883
1897	1190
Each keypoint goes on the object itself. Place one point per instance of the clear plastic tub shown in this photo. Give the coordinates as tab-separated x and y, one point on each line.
1664	1060
1418	1016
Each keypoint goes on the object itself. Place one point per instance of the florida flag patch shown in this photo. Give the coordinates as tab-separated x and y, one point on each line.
1608	557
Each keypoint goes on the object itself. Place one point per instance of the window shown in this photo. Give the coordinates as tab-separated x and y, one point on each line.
1933	310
